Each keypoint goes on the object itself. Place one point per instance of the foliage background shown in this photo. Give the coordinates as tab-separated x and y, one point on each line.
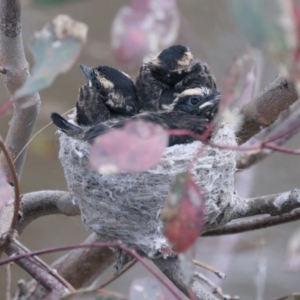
206	27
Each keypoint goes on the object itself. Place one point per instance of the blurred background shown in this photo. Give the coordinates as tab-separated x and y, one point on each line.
255	263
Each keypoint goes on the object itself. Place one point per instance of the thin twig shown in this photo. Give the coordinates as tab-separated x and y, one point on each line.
216	289
31	266
209	268
46	267
132	252
8	282
15	183
118	275
39	131
257	146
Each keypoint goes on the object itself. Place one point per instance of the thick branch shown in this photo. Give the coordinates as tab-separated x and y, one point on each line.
263	111
254	224
44	203
79	267
282	207
171	268
36	271
82	266
276	204
288	121
12	59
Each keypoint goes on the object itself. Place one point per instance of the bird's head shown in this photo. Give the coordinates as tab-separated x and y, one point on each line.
116	87
197	101
172	64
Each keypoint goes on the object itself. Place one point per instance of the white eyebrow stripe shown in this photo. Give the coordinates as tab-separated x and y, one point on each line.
196	91
208	103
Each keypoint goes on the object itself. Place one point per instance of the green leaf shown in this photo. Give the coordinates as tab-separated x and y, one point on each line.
253	18
55	49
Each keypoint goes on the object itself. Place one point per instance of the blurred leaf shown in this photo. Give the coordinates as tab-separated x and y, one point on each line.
5	190
136	147
254	20
183	215
292	262
148	289
143	28
5	106
242	79
294	296
93	295
55	48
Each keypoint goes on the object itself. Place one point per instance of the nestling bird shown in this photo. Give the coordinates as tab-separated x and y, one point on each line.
192	110
90	107
108	92
169	73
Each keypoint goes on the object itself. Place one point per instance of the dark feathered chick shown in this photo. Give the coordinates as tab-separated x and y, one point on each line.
192	110
90	107
172	71
114	87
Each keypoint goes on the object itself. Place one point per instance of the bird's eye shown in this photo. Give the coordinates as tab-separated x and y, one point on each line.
194	100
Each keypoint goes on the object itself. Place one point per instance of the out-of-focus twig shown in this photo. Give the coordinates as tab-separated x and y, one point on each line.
263	111
216	289
8	282
15	183
288	120
209	268
13	61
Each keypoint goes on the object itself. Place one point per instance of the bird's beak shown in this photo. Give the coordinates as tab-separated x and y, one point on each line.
87	71
210	108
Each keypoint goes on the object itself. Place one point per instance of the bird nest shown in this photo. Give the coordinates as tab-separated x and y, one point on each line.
126	206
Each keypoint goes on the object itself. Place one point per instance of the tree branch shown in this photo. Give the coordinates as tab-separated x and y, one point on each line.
49	282
13	61
254	224
263	111
79	267
286	121
171	268
276	204
44	203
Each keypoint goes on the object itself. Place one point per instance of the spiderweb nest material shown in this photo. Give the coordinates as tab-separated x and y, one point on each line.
126	206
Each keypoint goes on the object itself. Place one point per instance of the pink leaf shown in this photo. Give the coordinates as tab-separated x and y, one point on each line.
135	148
183	215
142	28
